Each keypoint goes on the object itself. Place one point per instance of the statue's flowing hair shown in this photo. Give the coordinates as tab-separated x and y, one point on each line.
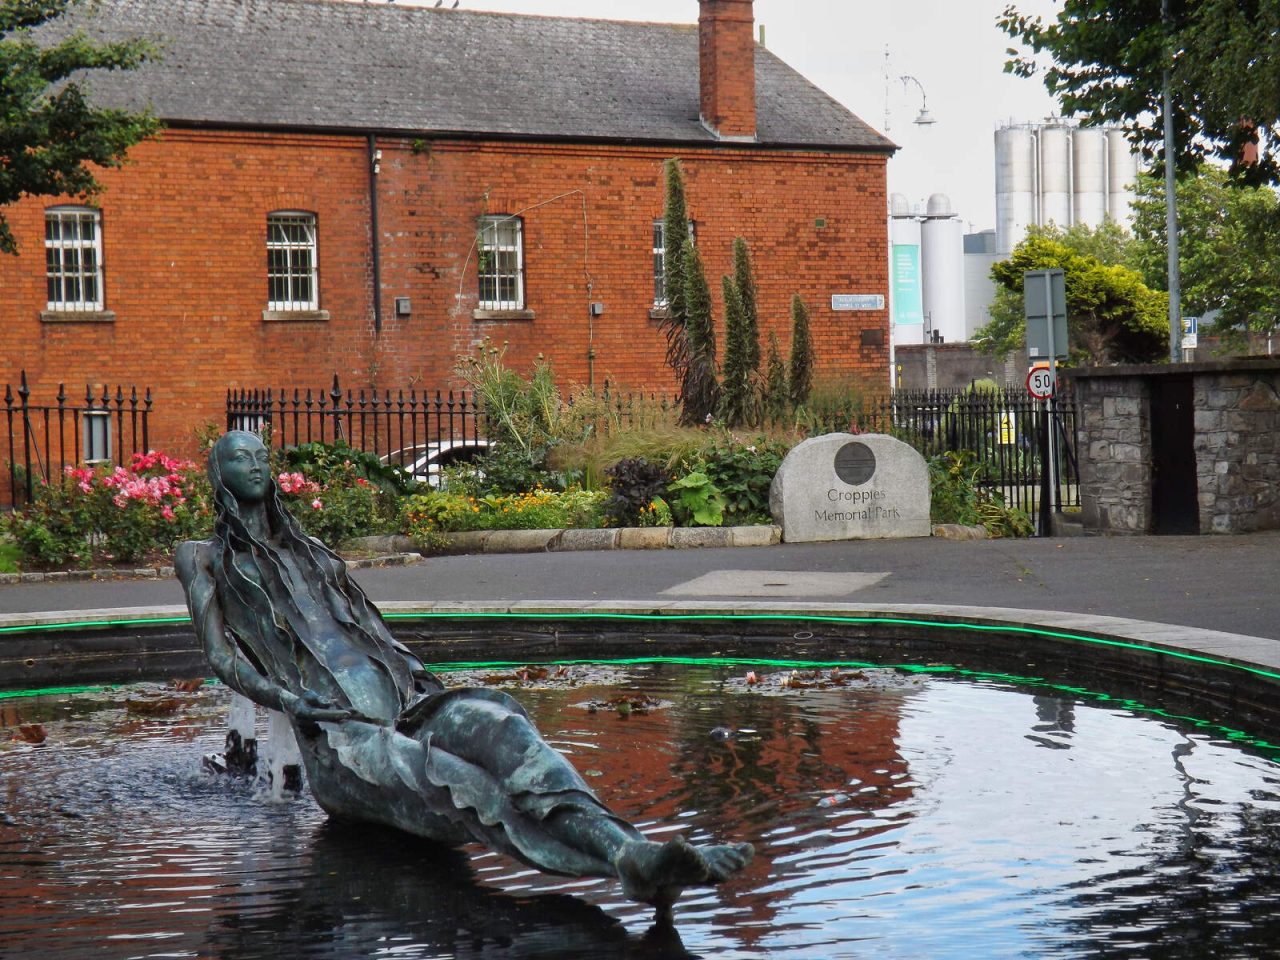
260	609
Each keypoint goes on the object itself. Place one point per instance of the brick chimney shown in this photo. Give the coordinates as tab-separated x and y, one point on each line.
727	68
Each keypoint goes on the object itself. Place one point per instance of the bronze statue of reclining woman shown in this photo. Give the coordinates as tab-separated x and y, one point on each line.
381	738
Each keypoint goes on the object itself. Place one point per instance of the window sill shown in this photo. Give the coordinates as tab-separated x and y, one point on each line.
294	316
502	315
77	316
658	313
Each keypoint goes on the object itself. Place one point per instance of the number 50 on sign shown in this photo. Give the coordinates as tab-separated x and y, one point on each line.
1040	383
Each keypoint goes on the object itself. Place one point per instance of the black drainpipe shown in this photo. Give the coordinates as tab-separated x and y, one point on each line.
375	244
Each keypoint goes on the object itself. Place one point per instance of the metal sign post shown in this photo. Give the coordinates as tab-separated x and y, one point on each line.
1044	299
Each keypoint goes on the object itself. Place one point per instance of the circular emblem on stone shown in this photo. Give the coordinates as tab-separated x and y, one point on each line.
855	463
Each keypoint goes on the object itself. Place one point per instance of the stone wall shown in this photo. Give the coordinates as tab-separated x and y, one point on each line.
1236	441
1113	444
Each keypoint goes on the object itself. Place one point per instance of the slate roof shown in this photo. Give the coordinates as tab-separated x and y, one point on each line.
387	68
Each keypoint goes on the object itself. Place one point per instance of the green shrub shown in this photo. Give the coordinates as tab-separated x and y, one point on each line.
345	505
956	496
634	484
696	501
425	517
113	514
321	461
743	474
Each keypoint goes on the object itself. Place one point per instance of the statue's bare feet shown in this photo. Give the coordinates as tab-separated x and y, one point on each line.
726	859
656	873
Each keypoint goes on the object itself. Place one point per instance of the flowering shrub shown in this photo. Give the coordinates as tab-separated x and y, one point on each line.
425	516
114	513
346	505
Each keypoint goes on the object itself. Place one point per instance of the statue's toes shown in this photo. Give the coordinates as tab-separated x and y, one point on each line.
727	859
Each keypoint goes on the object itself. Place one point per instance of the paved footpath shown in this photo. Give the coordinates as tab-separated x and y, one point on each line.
1229	584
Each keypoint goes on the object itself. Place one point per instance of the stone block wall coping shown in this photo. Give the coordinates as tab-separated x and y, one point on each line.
1233	365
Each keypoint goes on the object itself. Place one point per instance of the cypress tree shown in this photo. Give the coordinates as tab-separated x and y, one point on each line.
700	395
736	385
775	383
675	231
745	281
801	379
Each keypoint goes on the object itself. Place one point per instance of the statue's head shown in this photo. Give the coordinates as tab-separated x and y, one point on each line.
241	465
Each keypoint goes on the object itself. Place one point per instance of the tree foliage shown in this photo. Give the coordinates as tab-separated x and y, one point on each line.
1229	247
1107	63
800	372
675	231
776	397
745	282
700	391
736	386
1112	316
49	132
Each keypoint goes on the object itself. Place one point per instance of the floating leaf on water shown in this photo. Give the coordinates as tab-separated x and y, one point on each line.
31	733
188	686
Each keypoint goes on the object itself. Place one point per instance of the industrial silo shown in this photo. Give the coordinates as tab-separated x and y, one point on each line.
905	272
1122	176
942	251
1089	175
1055	175
1015	185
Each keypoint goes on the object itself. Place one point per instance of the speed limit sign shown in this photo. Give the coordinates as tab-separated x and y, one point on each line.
1040	383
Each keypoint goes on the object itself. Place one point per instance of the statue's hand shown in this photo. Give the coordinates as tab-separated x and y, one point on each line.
311	706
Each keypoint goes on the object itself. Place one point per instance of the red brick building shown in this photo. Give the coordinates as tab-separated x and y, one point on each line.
372	190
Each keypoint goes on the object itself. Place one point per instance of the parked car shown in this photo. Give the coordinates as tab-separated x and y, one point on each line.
425	463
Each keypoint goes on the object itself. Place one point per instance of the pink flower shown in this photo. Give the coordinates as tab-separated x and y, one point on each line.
316	504
168	513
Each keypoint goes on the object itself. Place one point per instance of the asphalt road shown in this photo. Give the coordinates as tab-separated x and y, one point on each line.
1219	583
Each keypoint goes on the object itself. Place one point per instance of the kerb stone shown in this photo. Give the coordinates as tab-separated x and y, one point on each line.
846	487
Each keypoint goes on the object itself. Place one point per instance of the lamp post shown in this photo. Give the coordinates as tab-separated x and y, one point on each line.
923	118
1171	210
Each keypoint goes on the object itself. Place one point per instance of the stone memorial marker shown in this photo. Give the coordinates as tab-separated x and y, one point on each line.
846	487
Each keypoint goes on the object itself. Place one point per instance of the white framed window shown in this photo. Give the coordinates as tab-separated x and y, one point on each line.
292	280
659	260
73	258
501	270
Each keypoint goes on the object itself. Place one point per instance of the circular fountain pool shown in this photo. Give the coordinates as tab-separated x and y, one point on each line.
895	813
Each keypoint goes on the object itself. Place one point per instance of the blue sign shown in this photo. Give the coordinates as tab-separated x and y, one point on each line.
907	305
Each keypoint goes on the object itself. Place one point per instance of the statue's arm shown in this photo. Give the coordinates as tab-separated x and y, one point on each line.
194	565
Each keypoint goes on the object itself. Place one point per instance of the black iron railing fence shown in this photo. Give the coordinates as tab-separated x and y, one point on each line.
1000	429
399	425
1003	430
379	422
44	438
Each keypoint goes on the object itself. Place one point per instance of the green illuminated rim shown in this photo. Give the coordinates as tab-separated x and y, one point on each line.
942	624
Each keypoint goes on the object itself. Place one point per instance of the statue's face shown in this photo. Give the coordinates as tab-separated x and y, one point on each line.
245	466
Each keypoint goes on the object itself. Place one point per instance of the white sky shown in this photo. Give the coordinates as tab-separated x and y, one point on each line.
952	47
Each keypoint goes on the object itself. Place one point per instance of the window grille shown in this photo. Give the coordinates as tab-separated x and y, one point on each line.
292	280
73	258
659	261
501	269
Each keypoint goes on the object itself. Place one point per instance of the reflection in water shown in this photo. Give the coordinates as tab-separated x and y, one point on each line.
913	818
